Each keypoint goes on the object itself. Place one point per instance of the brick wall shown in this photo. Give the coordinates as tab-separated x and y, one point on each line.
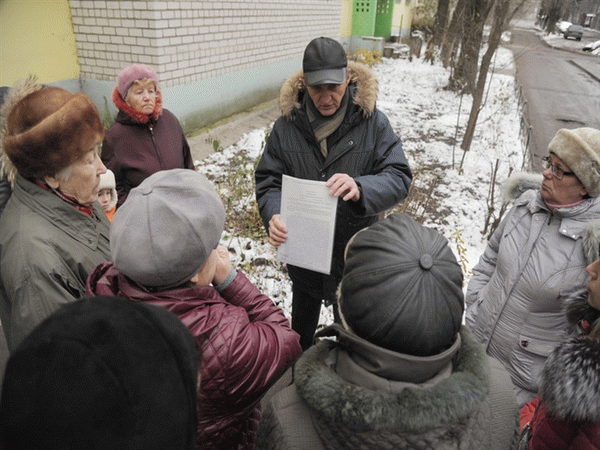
187	41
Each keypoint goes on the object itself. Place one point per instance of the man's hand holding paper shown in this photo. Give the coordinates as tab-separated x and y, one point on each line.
308	215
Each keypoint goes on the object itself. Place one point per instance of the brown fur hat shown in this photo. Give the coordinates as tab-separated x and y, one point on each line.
49	129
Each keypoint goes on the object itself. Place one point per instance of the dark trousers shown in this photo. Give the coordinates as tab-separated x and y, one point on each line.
309	289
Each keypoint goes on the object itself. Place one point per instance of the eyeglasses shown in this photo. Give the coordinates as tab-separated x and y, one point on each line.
556	171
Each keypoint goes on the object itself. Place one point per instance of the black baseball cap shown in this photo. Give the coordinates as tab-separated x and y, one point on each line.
324	62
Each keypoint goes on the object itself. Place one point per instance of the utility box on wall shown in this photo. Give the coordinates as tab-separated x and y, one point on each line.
383	18
363	17
372	18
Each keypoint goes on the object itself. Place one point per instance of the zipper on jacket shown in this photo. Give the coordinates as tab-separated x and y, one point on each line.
151	129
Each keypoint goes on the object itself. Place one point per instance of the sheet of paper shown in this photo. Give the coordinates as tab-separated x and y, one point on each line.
308	212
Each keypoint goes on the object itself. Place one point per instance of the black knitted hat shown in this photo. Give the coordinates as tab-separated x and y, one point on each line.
102	373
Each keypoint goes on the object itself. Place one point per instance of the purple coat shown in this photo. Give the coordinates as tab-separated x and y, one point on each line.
134	150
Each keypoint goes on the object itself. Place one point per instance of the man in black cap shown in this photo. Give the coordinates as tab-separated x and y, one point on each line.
330	131
402	372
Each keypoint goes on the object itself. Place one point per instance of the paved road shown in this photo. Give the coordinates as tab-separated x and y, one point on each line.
560	85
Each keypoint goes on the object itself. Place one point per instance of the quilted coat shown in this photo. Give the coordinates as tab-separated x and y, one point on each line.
568	414
533	262
134	150
246	343
338	402
364	146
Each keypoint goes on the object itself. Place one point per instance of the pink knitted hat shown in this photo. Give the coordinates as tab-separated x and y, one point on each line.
133	73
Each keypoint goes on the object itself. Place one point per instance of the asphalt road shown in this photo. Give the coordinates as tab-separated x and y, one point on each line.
560	85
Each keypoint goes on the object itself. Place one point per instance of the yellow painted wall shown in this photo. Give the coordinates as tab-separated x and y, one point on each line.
346	20
36	37
402	18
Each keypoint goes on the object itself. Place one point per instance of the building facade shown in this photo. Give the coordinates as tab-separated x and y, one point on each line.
213	58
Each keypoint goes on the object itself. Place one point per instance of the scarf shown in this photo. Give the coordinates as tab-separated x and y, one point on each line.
553	206
86	209
138	116
324	126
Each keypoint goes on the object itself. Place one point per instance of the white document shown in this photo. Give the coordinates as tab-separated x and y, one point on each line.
308	212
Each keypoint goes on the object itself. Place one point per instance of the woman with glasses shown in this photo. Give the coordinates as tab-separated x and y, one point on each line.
537	258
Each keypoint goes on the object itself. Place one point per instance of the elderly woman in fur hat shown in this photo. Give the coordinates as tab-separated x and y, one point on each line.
53	232
567	411
145	138
537	258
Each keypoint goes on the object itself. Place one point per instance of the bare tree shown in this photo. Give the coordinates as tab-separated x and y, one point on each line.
500	22
553	10
451	36
464	75
441	21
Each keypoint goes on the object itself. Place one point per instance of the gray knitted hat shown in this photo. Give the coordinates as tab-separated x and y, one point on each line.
402	287
579	149
167	228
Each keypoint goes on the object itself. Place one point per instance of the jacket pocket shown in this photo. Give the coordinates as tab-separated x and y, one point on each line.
535	344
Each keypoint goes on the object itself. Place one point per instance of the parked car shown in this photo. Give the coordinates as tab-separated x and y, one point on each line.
591	46
575	31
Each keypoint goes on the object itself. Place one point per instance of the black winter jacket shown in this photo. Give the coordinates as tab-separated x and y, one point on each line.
364	147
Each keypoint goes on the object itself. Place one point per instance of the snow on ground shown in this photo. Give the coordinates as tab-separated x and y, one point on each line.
431	121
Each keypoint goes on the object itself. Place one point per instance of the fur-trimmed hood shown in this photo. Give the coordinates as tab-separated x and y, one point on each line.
570	384
137	116
519	183
20	90
358	409
365	94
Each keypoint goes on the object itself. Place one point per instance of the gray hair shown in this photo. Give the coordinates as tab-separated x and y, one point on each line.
65	174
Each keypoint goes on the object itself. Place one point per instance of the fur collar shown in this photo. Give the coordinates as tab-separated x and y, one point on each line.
521	182
577	309
453	400
570	381
137	116
20	90
365	95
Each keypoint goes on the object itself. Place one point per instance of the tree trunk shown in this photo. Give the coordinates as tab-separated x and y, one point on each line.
441	21
465	73
452	34
500	16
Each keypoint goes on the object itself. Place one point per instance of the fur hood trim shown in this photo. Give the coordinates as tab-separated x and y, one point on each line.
570	386
137	116
365	95
20	90
453	400
577	309
520	182
570	382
